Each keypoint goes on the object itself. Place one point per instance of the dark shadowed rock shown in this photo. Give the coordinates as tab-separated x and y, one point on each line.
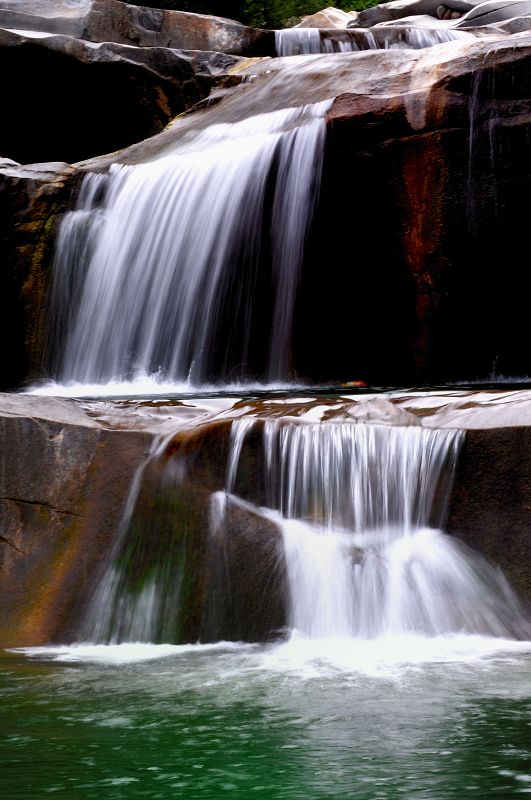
31	199
490	507
105	96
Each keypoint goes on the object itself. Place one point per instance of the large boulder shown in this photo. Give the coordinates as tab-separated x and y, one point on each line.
114	21
493	12
63	485
328	18
105	96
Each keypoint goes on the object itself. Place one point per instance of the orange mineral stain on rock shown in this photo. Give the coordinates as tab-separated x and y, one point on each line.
424	175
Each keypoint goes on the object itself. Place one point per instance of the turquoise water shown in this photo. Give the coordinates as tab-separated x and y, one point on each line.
286	723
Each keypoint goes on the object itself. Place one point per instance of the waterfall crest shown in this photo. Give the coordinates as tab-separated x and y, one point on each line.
308	41
188	266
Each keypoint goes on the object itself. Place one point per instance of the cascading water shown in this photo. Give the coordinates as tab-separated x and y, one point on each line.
177	267
361	509
358	511
307	41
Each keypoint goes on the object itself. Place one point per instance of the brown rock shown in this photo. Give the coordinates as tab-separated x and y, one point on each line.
63	485
114	21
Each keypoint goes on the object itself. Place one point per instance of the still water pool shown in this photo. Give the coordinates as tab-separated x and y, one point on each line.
414	718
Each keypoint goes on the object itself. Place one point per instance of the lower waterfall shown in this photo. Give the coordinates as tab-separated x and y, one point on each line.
359	510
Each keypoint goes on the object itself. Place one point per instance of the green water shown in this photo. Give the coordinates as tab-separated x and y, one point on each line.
237	723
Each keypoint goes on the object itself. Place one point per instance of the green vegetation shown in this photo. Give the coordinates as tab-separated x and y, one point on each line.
259	13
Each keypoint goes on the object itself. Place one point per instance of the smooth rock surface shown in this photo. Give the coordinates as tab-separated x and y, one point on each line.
328	18
31	199
106	95
63	486
114	21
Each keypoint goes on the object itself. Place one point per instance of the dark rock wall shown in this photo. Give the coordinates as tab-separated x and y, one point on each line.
490	507
416	269
31	202
70	102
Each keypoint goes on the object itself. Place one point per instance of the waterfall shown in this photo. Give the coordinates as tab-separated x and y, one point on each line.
361	509
307	41
335	528
187	266
298	41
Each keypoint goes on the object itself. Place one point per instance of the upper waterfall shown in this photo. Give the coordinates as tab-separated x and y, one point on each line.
188	266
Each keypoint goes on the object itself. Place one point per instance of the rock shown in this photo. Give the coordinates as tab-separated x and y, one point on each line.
435	316
493	12
32	197
94	107
120	23
398	9
510	26
247	599
327	18
491	501
63	484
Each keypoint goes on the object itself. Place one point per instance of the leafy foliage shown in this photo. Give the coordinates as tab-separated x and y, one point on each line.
259	13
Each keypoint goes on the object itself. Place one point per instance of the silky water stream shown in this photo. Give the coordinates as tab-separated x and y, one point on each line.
404	670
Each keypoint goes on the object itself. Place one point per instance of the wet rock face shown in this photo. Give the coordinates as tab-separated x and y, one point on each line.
434	185
31	201
63	485
490	507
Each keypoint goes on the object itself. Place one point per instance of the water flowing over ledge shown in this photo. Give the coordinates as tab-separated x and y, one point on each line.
307	41
161	268
352	518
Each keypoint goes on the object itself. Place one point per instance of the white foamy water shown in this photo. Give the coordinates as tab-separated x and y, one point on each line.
146	385
125	653
392	657
386	657
307	41
163	267
361	509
